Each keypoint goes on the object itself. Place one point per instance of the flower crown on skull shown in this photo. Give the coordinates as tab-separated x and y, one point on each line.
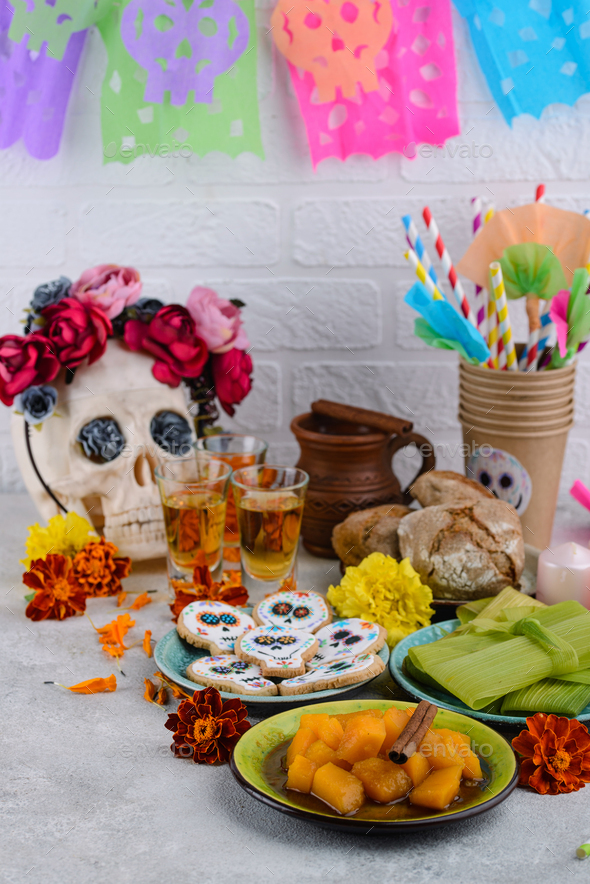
202	345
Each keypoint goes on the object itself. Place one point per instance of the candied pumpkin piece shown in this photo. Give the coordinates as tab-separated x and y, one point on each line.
383	780
349	716
301	774
417	767
338	788
363	738
313	721
331	732
440	752
300	743
438	789
395	721
320	753
456	737
472	767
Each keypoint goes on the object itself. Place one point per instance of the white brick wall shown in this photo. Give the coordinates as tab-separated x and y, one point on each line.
316	256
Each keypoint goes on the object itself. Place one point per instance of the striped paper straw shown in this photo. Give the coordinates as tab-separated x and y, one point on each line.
545	331
448	267
540	194
480	293
499	294
493	333
415	242
420	272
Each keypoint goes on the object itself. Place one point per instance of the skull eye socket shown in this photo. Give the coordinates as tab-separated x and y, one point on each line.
281	609
101	440
171	432
286	639
228	619
301	612
340	634
485	479
506	481
208	619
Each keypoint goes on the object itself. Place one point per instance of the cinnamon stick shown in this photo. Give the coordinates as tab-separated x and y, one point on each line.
414	732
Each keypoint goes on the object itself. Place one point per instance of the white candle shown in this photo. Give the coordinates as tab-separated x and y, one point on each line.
564	574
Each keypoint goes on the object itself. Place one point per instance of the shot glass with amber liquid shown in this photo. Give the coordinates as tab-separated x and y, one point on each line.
238	450
194	501
269	506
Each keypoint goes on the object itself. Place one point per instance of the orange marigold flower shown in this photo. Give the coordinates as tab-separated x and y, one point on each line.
204	588
98	569
140	602
555	754
147	646
205	728
121	598
150	690
94	686
57	592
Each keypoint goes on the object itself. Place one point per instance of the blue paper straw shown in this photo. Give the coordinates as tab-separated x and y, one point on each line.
547	325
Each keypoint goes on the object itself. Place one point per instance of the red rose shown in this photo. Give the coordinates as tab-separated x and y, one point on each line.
76	331
231	375
25	362
172	338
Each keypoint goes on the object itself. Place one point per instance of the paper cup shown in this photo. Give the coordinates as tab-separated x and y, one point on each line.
516	439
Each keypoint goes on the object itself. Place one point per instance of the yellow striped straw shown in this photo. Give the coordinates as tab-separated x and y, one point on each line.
489	214
499	294
422	275
493	332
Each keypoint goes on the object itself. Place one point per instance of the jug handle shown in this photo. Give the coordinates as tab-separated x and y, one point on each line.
396	443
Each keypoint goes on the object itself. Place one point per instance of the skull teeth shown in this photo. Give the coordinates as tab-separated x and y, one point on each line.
141	515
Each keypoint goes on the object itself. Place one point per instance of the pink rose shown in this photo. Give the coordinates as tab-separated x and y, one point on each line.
218	321
109	287
231	376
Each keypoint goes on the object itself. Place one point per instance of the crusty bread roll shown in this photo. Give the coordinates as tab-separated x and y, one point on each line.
372	530
444	486
465	550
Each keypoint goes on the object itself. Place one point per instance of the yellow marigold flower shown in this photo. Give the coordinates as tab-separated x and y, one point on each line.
386	592
64	535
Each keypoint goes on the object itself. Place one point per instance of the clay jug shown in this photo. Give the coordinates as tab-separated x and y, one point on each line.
348	453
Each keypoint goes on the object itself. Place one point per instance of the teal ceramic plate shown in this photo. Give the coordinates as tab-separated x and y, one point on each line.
441	698
255	766
172	655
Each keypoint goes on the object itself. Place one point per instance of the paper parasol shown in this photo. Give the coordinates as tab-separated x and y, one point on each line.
566	233
531	270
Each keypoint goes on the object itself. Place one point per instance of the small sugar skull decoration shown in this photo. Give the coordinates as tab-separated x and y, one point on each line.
184	44
346	639
213	625
503	475
298	610
227	673
337	40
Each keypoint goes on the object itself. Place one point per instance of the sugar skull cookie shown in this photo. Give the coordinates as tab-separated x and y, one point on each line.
503	475
334	675
228	673
296	610
280	652
346	639
213	625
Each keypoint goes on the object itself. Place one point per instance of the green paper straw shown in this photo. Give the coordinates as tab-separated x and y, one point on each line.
583	851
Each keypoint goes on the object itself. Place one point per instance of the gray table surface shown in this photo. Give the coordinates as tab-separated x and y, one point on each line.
91	791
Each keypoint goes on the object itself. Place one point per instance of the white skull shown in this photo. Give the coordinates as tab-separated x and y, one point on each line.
119	496
344	640
217	623
503	475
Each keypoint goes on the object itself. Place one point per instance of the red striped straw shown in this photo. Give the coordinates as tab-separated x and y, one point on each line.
540	194
448	268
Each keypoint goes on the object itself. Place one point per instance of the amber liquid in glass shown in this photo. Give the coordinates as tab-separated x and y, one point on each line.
194	521
269	532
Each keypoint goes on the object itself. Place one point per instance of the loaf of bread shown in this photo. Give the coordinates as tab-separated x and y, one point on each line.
444	486
465	550
368	531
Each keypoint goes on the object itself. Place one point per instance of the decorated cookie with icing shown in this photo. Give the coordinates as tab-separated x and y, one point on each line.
228	673
295	610
334	675
213	625
280	652
347	638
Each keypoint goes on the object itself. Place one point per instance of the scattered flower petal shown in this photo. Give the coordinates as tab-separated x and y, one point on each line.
94	686
147	646
140	602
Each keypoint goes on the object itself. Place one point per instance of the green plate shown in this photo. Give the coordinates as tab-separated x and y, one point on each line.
172	656
253	749
442	698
